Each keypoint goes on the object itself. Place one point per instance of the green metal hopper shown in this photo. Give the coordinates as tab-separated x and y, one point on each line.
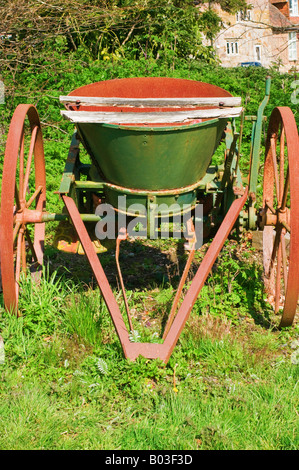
164	159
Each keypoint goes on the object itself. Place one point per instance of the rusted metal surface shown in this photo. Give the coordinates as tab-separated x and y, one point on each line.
140	161
122	235
202	273
150	87
99	273
154	350
280	214
148	161
139	192
190	246
16	203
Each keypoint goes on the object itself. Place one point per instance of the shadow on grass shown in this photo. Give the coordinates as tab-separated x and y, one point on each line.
143	265
159	264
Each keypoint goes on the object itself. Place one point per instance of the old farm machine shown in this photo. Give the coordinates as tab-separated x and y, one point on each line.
152	141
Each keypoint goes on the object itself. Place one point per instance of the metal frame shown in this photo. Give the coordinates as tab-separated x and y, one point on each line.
154	350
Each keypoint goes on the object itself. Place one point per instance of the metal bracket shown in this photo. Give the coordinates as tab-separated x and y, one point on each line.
163	350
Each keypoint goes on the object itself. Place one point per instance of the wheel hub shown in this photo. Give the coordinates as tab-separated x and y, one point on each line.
279	217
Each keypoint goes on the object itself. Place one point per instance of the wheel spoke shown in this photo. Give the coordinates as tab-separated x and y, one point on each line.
27	234
285	190
278	279
274	252
34	196
29	160
274	160
269	205
18	257
21	166
281	163
15	231
284	259
17	197
23	248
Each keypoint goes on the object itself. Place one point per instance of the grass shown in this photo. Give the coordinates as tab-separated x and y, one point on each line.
231	383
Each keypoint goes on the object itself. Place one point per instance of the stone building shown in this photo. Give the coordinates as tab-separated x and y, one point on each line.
266	33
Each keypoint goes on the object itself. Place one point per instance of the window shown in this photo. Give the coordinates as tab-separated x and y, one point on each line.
292	46
232	47
258	52
293	8
244	15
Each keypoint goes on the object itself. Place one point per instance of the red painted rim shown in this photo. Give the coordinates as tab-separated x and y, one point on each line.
148	87
281	201
15	200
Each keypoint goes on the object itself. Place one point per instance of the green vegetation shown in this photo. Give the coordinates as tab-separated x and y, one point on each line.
108	30
232	381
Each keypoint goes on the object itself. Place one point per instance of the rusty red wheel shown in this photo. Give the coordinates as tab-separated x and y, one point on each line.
23	199
281	215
